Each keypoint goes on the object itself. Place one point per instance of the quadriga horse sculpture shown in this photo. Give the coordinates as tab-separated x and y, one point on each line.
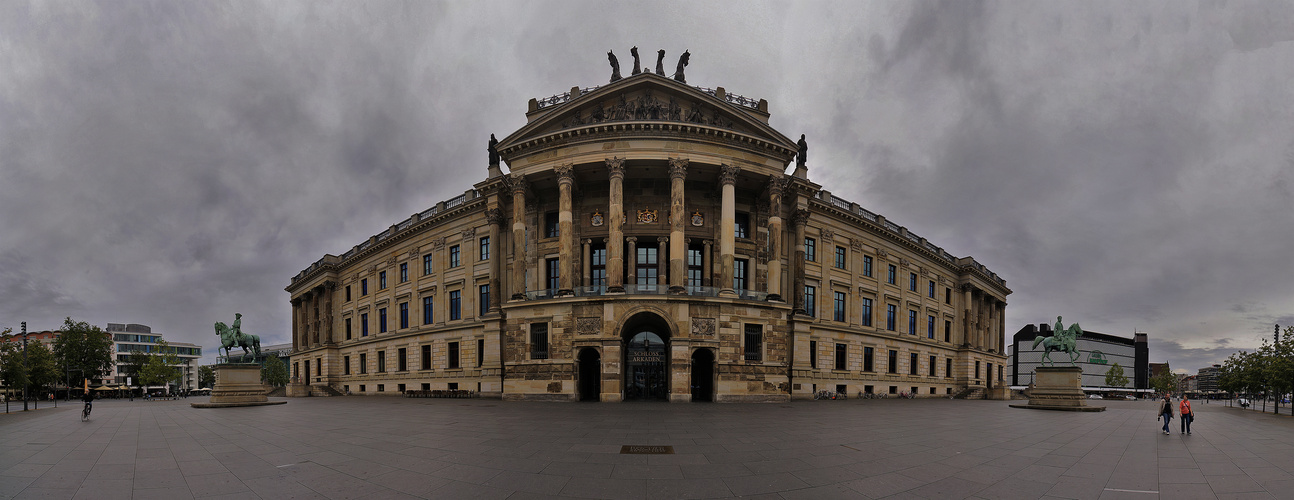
233	336
1064	340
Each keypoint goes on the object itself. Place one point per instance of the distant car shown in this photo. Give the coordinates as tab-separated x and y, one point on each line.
1130	398
1094	396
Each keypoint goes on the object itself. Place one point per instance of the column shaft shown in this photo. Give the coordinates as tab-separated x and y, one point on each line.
797	264
677	214
519	262
494	217
775	238
586	274
633	260
566	240
727	228
615	217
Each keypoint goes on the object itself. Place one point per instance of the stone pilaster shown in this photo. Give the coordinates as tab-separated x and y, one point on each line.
615	218
494	217
633	260
677	215
662	266
586	274
775	186
707	264
799	221
727	228
519	262
566	238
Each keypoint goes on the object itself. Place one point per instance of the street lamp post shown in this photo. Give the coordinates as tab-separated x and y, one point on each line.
26	370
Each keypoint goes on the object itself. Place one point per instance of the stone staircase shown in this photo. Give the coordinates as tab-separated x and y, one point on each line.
323	391
970	393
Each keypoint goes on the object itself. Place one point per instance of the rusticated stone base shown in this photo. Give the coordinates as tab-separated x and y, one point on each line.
237	385
1058	388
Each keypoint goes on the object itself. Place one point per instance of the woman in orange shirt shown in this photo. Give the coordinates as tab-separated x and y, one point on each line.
1186	414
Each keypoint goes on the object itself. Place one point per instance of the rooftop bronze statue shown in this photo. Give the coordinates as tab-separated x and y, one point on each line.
682	63
493	148
615	66
1063	340
660	62
803	155
637	68
233	336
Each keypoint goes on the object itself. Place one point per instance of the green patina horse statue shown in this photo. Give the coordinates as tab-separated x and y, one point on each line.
1064	340
233	336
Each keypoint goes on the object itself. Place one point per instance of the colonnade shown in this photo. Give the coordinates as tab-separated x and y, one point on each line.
984	320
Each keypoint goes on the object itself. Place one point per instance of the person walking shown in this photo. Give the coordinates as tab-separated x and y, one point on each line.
1186	414
1165	412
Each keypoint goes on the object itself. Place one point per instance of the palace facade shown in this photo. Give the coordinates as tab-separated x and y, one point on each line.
647	243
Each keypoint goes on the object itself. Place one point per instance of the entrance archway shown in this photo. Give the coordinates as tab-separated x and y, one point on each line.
590	374
703	375
646	364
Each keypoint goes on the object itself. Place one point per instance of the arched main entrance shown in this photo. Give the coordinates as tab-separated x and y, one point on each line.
646	364
703	375
590	374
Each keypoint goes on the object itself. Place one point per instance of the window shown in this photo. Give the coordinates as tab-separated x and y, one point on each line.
598	265
645	269
483	299
890	311
381	280
930	327
739	274
948	367
381	361
480	353
347	328
840	257
754	342
427	310
842	357
912	281
539	341
454	256
401	362
452	358
347	293
894	361
912	366
867	312
426	264
363	287
813	354
741	225
912	322
932	366
404	315
810	298
345	367
426	357
381	320
868	352
455	305
932	290
695	265
810	250
867	265
948	295
892	275
977	369
552	225
363	363
484	245
553	276
838	311
363	325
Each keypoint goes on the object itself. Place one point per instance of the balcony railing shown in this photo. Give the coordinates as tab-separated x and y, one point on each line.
599	290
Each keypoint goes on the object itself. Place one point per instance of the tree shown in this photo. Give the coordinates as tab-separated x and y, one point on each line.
43	370
275	372
1165	382
12	371
160	368
84	349
135	363
206	377
1114	376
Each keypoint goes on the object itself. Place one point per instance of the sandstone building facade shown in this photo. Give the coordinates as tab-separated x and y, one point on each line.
647	243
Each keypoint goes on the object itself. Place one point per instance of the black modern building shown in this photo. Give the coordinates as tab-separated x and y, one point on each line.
1097	353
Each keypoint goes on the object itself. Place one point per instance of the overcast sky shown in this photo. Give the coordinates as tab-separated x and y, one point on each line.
1129	165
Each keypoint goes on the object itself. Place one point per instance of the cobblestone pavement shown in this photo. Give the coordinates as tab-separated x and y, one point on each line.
387	447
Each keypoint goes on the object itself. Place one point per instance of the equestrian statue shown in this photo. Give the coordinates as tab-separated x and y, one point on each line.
1064	340
233	336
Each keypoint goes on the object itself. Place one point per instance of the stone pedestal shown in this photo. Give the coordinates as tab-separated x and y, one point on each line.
238	385
1058	388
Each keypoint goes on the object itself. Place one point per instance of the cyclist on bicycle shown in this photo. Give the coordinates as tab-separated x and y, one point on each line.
89	401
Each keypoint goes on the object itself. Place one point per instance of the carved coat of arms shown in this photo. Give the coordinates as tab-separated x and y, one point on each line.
596	219
647	217
698	219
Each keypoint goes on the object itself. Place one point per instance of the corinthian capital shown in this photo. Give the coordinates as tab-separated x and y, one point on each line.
565	173
616	167
517	182
801	217
728	174
678	168
494	217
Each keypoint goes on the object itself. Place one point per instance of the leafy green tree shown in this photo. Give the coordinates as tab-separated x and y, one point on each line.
43	369
206	377
1165	382
84	349
275	372
160	368
135	363
1114	376
12	371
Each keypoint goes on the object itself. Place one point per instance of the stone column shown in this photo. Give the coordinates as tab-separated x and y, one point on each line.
662	267
519	263
494	217
566	238
775	237
800	220
727	228
707	279
677	215
330	289
615	217
1001	332
586	275
633	260
297	343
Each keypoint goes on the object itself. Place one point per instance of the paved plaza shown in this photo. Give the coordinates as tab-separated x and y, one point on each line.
387	447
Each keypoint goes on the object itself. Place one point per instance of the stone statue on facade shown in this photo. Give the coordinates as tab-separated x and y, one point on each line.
660	62
493	148
232	336
615	66
637	68
682	63
1062	339
803	155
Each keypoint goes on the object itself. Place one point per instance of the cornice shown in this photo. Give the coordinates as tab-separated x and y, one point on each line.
647	129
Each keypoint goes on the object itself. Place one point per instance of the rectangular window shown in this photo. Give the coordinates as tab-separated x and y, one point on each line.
932	289
345	367
754	342
363	287
347	293
484	245
401	362
381	320
483	298
553	276
932	366
741	225
890	311
840	257
810	250
842	357
894	361
810	299
404	315
813	354
427	310
363	363
455	305
868	353
539	341
480	352
739	274
838	311
867	312
930	327
426	357
451	359
598	266
363	325
912	281
404	272
948	295
552	225
912	367
381	361
646	270
912	322
867	265
347	328
695	265
977	369
381	280
948	331
892	276
426	264
454	256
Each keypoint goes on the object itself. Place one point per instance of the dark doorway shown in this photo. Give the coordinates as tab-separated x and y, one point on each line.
590	375
646	358
703	375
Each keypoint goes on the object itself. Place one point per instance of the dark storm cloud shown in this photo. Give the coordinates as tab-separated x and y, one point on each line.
1126	165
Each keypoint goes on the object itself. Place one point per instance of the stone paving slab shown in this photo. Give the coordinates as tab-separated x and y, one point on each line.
369	447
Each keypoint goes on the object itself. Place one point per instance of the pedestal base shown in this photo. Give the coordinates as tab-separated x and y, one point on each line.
1058	388
237	385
